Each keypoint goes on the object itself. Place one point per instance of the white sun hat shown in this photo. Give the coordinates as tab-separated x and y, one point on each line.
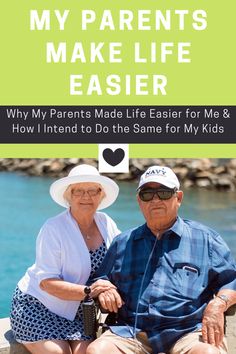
159	174
84	173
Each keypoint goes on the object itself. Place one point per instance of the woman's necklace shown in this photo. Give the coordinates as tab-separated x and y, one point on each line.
90	232
88	235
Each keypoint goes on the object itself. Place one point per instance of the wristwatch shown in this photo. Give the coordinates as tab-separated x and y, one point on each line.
224	298
87	290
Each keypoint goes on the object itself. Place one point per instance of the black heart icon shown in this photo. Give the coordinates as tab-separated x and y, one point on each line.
113	158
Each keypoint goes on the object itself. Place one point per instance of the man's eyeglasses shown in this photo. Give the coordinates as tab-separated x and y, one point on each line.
147	194
91	192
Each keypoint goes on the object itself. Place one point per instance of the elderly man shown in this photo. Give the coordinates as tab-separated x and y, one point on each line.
175	278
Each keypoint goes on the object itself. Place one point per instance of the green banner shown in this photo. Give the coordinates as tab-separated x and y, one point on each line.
162	52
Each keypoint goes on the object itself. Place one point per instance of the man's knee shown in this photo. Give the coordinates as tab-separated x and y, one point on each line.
204	348
102	346
96	347
92	349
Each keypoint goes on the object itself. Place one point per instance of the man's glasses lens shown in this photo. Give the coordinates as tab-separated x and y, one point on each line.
148	194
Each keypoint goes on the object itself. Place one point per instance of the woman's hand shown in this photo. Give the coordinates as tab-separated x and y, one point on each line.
100	286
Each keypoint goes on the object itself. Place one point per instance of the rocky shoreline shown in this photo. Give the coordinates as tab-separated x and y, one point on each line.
204	173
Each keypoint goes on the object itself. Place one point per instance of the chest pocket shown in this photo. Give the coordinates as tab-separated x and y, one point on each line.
187	279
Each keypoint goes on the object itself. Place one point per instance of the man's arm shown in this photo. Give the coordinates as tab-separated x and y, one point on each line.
213	317
222	282
110	300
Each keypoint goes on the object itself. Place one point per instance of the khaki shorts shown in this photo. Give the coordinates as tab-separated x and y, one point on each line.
141	344
184	344
129	345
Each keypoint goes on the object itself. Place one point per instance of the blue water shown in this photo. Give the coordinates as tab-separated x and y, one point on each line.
26	204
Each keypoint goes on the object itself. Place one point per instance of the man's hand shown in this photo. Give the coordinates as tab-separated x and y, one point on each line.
100	286
110	300
213	322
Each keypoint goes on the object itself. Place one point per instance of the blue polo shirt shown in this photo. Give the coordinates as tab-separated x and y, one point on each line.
189	264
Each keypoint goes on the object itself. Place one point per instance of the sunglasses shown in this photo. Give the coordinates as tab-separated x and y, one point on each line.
163	193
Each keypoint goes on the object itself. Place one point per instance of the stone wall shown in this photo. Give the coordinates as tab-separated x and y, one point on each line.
204	173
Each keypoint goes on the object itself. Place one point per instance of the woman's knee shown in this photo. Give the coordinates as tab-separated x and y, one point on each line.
49	347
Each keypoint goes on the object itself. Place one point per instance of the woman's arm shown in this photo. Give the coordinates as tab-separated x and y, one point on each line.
63	289
69	291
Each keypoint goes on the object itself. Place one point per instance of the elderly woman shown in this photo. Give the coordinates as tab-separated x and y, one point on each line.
46	314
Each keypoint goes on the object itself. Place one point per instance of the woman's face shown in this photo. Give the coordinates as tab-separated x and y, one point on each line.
85	197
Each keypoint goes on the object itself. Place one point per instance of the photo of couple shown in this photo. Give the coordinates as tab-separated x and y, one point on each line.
169	279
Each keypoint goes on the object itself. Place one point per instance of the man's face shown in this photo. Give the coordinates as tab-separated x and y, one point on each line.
160	214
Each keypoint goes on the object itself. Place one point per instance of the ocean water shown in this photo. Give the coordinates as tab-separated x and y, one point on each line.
26	204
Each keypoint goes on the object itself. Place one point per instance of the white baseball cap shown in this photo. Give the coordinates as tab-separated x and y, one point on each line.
84	173
159	174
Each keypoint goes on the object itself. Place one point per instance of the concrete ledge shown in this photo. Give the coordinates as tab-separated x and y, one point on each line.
8	345
231	329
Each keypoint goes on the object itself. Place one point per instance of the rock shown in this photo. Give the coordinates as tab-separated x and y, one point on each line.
74	161
92	162
203	174
181	172
26	164
232	164
203	183
5	164
41	167
55	166
219	170
201	164
231	169
187	184
138	164
224	182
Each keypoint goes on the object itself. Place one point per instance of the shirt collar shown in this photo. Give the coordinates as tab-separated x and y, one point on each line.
178	227
144	231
